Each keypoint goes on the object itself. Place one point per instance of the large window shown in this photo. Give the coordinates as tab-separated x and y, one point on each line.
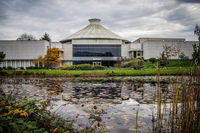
96	50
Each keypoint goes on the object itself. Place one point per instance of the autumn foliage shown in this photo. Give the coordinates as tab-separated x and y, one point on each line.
53	55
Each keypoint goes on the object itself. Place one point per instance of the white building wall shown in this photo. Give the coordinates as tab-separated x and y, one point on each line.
136	46
125	50
155	48
56	45
68	51
23	50
22	53
96	41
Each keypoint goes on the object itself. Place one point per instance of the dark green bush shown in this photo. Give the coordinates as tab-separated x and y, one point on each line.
9	68
152	60
85	67
22	68
40	67
35	67
28	116
1	68
98	67
31	67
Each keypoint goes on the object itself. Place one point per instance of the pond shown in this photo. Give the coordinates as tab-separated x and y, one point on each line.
110	105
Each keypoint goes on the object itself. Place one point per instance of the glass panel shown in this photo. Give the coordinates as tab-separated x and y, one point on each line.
96	50
18	63
13	64
22	63
8	63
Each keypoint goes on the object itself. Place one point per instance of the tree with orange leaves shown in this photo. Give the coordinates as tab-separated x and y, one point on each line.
53	56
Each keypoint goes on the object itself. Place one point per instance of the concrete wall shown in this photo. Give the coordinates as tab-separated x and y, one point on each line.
23	50
96	41
155	48
125	50
136	46
68	51
56	45
22	53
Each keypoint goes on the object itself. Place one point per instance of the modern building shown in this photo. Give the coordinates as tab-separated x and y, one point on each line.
153	47
21	53
94	44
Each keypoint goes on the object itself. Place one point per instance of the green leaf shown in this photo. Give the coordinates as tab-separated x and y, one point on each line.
15	126
20	121
31	111
29	126
1	129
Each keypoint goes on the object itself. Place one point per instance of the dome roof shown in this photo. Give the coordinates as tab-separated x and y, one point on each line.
93	30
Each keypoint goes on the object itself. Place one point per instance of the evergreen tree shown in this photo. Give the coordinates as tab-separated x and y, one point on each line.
2	56
46	37
196	47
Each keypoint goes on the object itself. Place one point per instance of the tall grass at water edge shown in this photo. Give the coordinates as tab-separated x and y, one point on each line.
184	112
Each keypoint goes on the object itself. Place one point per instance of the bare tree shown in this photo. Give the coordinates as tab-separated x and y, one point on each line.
29	36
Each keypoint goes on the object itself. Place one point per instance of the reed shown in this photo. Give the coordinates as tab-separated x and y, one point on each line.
184	106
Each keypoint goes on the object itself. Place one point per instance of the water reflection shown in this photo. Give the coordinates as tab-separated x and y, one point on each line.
110	105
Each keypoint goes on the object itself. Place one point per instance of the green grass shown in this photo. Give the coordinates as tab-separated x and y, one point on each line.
143	72
174	68
149	65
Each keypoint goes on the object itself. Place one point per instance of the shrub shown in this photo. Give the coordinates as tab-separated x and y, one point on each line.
1	68
35	67
85	67
4	68
22	68
31	67
152	60
40	67
9	68
27	116
163	62
133	63
98	67
68	67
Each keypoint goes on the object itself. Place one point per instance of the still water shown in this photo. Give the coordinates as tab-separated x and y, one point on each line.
108	105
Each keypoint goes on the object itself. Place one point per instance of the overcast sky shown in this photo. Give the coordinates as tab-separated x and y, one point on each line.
130	19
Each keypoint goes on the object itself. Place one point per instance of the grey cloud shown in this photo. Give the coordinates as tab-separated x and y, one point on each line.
189	1
128	18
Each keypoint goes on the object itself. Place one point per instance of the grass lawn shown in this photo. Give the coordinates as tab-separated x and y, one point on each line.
143	72
149	65
174	68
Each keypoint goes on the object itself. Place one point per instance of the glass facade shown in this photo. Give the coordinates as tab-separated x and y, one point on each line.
103	63
96	50
106	53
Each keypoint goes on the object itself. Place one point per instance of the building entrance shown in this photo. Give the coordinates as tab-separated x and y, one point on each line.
96	62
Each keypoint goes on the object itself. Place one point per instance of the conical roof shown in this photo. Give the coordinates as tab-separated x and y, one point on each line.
93	30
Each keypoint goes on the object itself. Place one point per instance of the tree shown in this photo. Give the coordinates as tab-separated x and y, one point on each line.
39	61
46	37
168	52
53	56
196	48
29	36
2	56
182	56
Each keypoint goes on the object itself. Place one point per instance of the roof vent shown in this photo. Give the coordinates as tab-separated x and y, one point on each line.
94	21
